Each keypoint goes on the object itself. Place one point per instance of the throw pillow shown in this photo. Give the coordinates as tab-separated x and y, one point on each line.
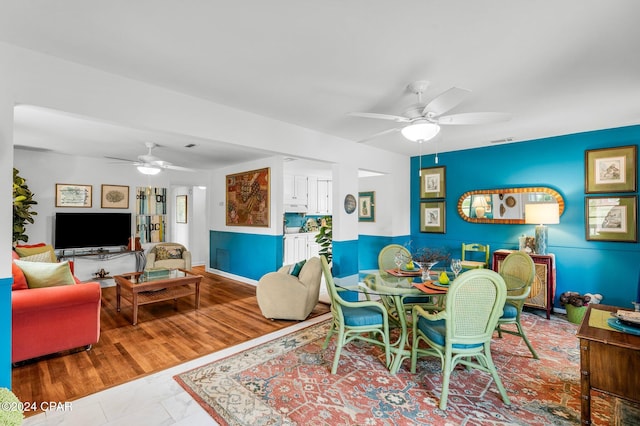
41	274
45	256
168	252
28	251
296	268
19	280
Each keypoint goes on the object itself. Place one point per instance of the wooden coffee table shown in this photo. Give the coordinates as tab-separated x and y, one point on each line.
140	291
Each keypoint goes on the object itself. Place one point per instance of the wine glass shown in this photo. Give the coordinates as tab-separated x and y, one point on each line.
456	266
426	270
398	260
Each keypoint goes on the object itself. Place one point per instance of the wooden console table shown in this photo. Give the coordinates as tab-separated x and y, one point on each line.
609	362
543	289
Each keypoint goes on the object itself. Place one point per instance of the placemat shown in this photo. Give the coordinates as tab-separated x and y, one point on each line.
429	289
598	319
401	273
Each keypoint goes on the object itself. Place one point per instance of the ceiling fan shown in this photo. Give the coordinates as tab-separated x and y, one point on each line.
424	120
149	164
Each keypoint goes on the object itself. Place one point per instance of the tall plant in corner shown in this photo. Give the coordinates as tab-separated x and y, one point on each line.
325	237
22	203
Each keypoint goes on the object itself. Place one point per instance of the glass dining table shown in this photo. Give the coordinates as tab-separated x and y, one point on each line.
398	291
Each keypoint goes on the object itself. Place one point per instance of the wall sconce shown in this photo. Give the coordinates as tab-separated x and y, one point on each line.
480	205
542	214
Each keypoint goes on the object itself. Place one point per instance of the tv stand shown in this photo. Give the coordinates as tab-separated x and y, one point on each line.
104	254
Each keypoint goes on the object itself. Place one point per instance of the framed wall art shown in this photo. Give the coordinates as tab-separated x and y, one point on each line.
72	195
366	206
181	209
611	169
611	218
115	197
248	198
433	182
432	217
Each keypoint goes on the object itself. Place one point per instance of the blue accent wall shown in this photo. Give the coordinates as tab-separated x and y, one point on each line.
5	332
345	258
370	245
246	255
608	268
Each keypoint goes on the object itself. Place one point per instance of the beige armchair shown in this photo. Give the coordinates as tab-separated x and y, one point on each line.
169	255
285	296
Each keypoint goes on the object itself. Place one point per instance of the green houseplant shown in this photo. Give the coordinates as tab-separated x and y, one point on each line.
22	203
325	237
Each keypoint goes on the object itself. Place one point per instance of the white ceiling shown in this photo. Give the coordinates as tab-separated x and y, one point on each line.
558	66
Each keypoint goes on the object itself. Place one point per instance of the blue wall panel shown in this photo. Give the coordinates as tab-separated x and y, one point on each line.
345	258
246	255
608	268
5	332
370	245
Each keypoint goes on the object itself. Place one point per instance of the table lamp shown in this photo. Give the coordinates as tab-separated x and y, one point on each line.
542	214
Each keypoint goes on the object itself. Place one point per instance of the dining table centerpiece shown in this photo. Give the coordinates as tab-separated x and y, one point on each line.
428	257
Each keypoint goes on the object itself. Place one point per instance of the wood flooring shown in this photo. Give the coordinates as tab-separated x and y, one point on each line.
228	315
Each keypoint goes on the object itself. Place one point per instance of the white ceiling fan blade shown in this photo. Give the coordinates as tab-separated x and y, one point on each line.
474	118
395	118
376	135
445	101
120	159
179	168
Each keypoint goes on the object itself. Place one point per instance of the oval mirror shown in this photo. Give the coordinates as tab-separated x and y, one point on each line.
504	205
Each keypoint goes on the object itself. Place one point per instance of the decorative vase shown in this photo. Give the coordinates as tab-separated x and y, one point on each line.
575	313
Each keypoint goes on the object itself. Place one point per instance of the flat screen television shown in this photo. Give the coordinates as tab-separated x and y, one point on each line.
79	230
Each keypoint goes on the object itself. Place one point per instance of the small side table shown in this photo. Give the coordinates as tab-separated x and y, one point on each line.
543	289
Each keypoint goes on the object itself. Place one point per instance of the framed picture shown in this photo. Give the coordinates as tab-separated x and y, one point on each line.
432	217
611	218
611	169
181	209
115	197
367	206
72	195
433	182
248	201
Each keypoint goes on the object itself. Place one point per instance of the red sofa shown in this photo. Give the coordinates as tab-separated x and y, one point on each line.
53	319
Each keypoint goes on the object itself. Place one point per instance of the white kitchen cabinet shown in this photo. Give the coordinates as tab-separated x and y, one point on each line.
324	196
298	247
295	190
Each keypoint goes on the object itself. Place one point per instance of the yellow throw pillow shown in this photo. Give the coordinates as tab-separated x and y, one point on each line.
43	274
45	256
29	251
168	252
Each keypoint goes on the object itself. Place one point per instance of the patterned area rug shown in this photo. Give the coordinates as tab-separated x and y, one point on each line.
287	382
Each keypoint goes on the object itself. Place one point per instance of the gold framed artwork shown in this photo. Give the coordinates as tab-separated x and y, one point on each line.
611	218
181	209
433	182
367	206
114	197
611	169
248	198
432	217
73	195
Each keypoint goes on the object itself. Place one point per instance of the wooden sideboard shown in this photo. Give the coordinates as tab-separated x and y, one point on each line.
609	362
543	288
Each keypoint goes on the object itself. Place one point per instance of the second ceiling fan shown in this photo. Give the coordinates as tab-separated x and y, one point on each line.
424	120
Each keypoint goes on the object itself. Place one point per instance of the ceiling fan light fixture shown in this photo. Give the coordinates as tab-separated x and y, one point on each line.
148	170
421	131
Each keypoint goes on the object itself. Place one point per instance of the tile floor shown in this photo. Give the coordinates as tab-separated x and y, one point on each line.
151	401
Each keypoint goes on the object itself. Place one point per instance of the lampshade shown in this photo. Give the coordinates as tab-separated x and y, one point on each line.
479	201
420	131
149	170
542	214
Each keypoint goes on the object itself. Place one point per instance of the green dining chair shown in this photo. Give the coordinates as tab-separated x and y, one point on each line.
360	320
475	256
461	333
518	271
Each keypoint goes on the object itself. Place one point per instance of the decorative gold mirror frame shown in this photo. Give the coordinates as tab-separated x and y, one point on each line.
555	194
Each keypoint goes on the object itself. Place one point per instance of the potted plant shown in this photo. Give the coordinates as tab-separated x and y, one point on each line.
22	203
576	304
324	237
